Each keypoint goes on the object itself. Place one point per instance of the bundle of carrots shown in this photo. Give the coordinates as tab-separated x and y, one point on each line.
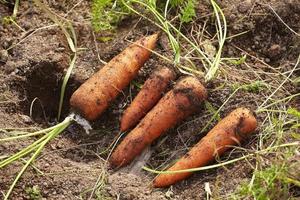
176	105
152	113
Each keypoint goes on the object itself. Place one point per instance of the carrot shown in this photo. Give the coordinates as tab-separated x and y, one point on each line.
229	131
149	95
94	96
176	105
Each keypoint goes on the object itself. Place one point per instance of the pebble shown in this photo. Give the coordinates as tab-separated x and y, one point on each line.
169	194
3	55
25	118
267	60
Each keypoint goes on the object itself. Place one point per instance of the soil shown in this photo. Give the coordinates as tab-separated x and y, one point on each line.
34	60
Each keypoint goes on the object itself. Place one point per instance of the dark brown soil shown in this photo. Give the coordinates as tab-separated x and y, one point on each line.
33	62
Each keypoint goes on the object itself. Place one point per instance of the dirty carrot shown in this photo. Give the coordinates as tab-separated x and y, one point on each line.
176	105
94	96
149	95
229	131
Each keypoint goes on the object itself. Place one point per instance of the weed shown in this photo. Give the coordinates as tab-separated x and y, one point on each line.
174	34
212	110
187	12
175	3
294	112
106	14
272	182
34	193
239	61
11	20
254	87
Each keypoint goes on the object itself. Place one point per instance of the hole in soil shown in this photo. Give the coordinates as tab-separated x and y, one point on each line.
43	85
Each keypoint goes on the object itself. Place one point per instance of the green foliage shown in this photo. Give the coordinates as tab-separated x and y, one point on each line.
297	80
6	20
294	112
254	87
212	110
34	193
239	61
267	184
274	181
187	12
175	3
187	9
107	13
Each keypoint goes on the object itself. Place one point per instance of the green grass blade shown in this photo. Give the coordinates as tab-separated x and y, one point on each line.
221	38
29	134
52	134
279	87
64	84
23	152
16	7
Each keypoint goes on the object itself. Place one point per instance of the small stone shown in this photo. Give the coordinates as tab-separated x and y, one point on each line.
3	55
16	71
169	194
209	48
267	60
26	119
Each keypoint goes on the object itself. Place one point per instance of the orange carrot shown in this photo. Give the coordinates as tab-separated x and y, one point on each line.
175	106
229	131
94	96
149	95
